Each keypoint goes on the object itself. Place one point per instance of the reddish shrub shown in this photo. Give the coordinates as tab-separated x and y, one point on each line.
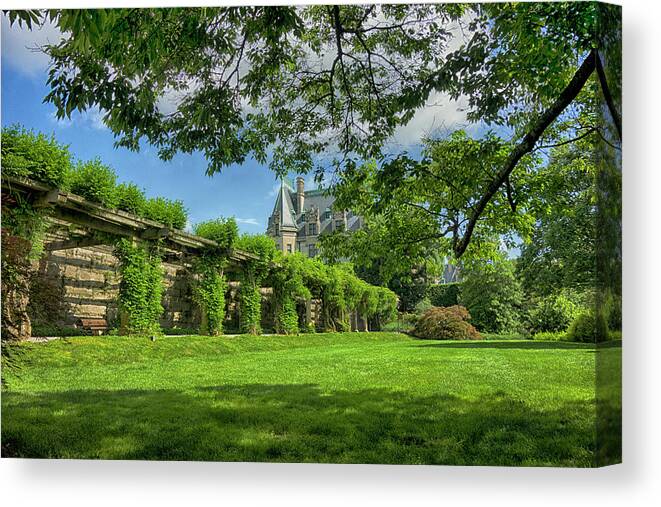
446	323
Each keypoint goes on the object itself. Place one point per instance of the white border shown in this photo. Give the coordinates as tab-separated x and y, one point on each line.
100	483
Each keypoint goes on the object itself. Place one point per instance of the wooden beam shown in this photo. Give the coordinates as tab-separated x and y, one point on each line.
73	209
90	222
155	233
75	243
50	198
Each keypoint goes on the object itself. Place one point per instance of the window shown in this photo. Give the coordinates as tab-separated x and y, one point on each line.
327	214
288	247
312	250
339	224
312	229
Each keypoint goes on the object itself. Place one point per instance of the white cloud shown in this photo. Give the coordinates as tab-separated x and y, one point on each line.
439	114
21	46
248	221
274	190
92	118
60	122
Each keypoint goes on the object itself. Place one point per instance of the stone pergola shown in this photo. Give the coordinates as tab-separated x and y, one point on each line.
74	222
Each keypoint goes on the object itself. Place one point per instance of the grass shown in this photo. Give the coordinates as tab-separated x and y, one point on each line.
342	398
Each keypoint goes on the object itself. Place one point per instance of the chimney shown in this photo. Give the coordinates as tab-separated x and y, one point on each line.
300	194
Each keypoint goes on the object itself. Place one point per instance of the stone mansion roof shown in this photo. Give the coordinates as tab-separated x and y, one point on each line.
316	207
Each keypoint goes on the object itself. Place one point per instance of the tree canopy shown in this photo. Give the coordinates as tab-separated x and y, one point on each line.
285	84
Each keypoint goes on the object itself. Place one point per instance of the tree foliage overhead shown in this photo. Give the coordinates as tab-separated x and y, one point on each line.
561	251
283	84
347	75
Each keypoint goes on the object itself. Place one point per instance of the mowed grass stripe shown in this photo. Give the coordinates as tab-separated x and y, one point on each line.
352	397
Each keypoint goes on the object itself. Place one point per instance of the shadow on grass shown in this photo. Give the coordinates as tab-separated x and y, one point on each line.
296	423
521	345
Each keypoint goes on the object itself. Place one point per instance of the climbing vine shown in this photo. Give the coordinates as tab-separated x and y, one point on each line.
211	285
24	154
254	271
250	309
140	289
209	294
295	279
289	289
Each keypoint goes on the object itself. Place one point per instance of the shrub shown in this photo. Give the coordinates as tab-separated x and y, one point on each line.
131	198
446	294
493	296
449	323
408	318
387	307
40	330
507	336
26	154
583	328
410	290
310	328
223	231
550	336
95	182
553	313
398	326
422	306
614	311
168	212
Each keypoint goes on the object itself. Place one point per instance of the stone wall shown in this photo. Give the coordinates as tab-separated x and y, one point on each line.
84	283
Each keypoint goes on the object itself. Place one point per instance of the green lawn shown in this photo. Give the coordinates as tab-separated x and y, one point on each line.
346	398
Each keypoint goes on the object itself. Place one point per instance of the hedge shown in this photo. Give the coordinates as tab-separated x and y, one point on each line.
446	294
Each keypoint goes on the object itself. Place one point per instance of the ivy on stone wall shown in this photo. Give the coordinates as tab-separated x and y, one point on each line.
295	279
255	270
24	154
298	278
289	289
250	309
287	317
209	295
140	289
211	285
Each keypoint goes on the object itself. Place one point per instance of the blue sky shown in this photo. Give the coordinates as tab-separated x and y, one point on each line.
246	192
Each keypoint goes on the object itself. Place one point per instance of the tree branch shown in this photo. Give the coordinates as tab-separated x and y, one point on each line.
526	146
510	194
617	119
568	141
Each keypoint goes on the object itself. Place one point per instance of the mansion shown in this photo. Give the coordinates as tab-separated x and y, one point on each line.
299	216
